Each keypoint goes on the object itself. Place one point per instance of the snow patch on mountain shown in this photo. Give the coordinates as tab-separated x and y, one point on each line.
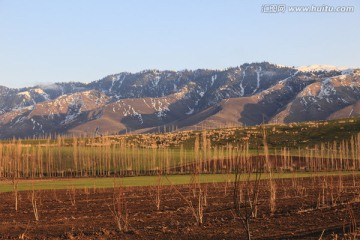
130	111
182	93
74	110
113	80
258	73
326	89
242	90
347	71
213	78
321	67
146	103
26	94
41	92
37	125
155	82
160	106
191	111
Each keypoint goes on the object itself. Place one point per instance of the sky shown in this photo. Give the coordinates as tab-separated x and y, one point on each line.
44	41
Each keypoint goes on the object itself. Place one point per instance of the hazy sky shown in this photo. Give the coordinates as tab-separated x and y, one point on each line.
84	40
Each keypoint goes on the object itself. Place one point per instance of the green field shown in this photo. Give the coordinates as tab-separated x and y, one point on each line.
81	183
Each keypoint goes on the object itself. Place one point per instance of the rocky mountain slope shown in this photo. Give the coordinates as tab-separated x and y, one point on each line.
154	100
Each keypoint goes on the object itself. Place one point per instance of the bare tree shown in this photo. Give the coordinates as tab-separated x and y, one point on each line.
34	199
15	183
196	201
158	190
246	192
118	209
272	184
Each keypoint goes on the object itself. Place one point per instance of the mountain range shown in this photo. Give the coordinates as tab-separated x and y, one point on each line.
153	100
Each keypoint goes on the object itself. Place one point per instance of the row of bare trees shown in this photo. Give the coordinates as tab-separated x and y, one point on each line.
79	158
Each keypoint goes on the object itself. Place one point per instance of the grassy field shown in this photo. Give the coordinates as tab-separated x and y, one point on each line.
81	183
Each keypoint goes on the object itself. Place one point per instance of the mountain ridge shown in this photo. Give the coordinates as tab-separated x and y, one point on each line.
152	100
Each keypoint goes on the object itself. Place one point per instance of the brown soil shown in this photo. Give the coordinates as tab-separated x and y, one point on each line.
301	213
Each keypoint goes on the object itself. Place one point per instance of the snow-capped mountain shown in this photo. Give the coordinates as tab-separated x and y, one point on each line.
323	67
155	100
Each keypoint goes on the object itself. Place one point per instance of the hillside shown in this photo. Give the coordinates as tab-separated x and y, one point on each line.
153	101
292	135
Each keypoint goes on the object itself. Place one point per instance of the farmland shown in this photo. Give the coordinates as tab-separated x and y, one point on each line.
264	182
